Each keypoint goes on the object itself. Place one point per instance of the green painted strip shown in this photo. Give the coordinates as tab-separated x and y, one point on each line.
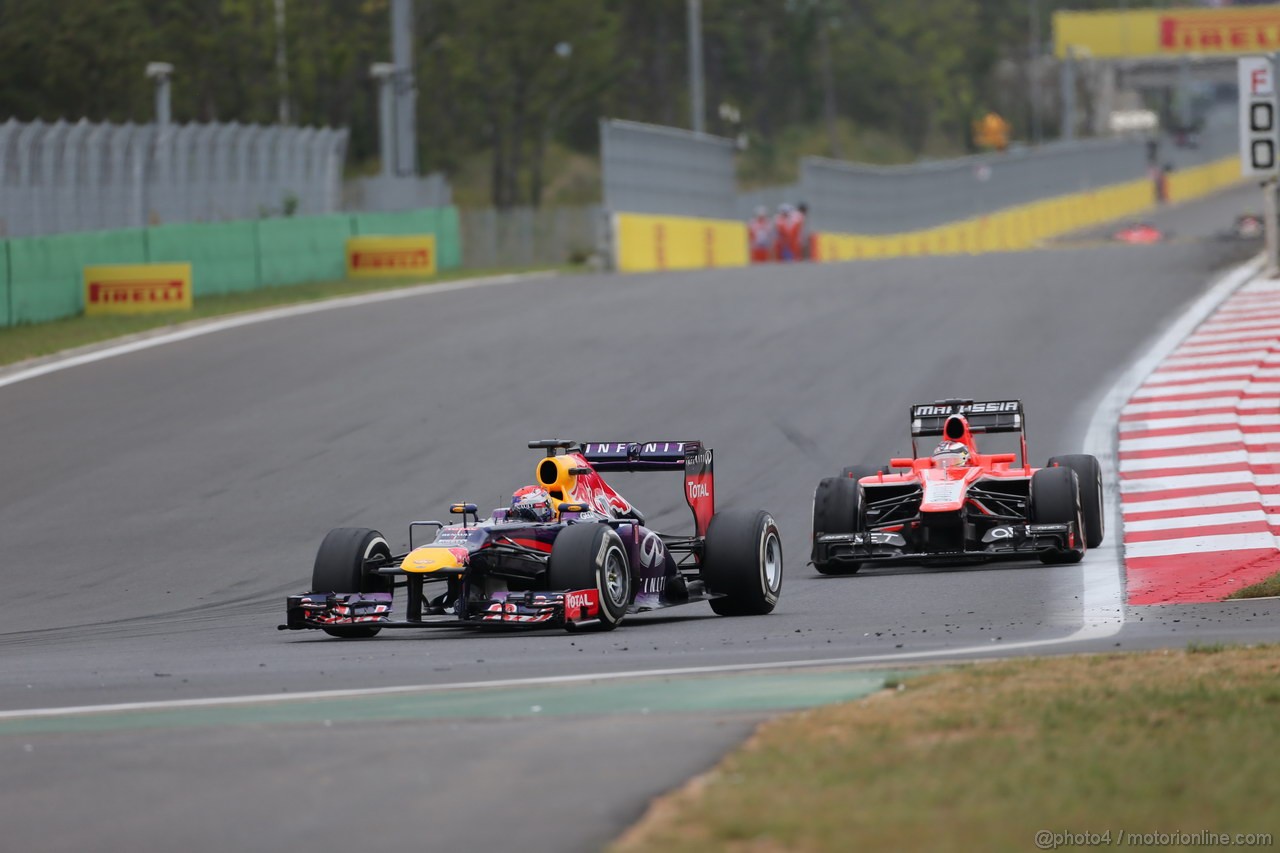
41	277
755	692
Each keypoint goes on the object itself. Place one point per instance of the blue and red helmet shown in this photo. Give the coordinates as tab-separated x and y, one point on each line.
530	503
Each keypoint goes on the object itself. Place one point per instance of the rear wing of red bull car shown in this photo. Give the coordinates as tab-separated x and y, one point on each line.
689	456
929	420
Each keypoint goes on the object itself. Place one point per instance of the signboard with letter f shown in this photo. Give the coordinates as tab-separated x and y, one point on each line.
1259	136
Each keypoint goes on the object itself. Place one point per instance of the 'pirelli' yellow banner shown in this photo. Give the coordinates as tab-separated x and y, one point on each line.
391	257
137	288
1168	32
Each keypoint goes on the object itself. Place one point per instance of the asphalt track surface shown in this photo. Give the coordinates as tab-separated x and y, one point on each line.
156	508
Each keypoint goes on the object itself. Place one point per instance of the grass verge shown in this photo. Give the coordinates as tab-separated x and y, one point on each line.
983	757
19	343
1261	589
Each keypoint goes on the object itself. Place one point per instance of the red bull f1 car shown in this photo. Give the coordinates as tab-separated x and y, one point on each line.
568	552
958	505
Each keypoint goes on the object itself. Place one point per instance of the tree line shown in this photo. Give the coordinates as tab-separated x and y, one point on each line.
509	77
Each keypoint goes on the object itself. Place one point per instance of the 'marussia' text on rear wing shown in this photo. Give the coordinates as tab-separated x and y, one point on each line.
929	419
691	456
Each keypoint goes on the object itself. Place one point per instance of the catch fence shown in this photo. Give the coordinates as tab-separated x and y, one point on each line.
69	177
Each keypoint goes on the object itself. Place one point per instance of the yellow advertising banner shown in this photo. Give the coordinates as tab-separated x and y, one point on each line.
1226	31
137	288
391	257
645	243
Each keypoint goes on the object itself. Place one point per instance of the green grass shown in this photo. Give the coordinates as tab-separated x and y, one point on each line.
983	757
1261	589
19	343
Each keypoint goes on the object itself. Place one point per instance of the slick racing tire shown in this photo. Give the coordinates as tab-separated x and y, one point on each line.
592	556
742	560
837	508
1055	499
1089	477
339	568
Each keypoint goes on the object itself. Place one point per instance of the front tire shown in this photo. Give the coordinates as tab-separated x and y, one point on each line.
742	560
837	508
592	556
339	568
1089	478
1055	499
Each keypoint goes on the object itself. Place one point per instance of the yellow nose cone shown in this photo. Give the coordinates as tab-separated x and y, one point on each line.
433	558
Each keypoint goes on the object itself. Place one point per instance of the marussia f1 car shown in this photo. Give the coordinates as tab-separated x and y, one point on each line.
958	505
570	551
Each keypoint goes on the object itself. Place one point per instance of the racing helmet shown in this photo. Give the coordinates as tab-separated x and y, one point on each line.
530	503
951	454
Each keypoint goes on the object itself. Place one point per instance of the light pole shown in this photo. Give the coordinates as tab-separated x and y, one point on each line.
405	121
160	72
696	96
383	72
1033	70
282	64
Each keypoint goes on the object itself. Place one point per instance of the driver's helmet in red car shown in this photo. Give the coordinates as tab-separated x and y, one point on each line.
530	503
951	454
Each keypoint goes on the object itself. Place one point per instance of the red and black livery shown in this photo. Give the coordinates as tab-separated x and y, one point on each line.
969	508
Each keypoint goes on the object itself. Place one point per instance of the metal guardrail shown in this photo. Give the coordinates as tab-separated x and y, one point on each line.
64	177
657	170
853	198
652	169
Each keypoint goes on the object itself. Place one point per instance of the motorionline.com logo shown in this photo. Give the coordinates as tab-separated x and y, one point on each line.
1047	840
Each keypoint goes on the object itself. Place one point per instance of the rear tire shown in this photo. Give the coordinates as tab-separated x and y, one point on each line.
837	508
1089	478
742	560
1055	499
339	568
592	556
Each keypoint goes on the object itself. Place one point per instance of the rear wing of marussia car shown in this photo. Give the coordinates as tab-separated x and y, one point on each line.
929	420
689	456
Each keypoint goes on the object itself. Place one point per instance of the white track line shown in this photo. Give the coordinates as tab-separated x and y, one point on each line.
1190	502
235	321
1188	522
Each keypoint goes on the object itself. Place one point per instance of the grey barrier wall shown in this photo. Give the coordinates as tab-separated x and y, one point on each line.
652	169
63	177
525	236
854	198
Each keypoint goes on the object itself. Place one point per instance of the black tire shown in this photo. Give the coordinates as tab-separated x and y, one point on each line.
339	568
592	556
837	508
742	560
1089	478
1055	499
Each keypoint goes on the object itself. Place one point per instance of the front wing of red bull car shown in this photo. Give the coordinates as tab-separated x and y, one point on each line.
992	506
586	566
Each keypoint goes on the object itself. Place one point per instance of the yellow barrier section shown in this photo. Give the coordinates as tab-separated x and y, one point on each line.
1025	225
1203	180
391	257
645	243
137	288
